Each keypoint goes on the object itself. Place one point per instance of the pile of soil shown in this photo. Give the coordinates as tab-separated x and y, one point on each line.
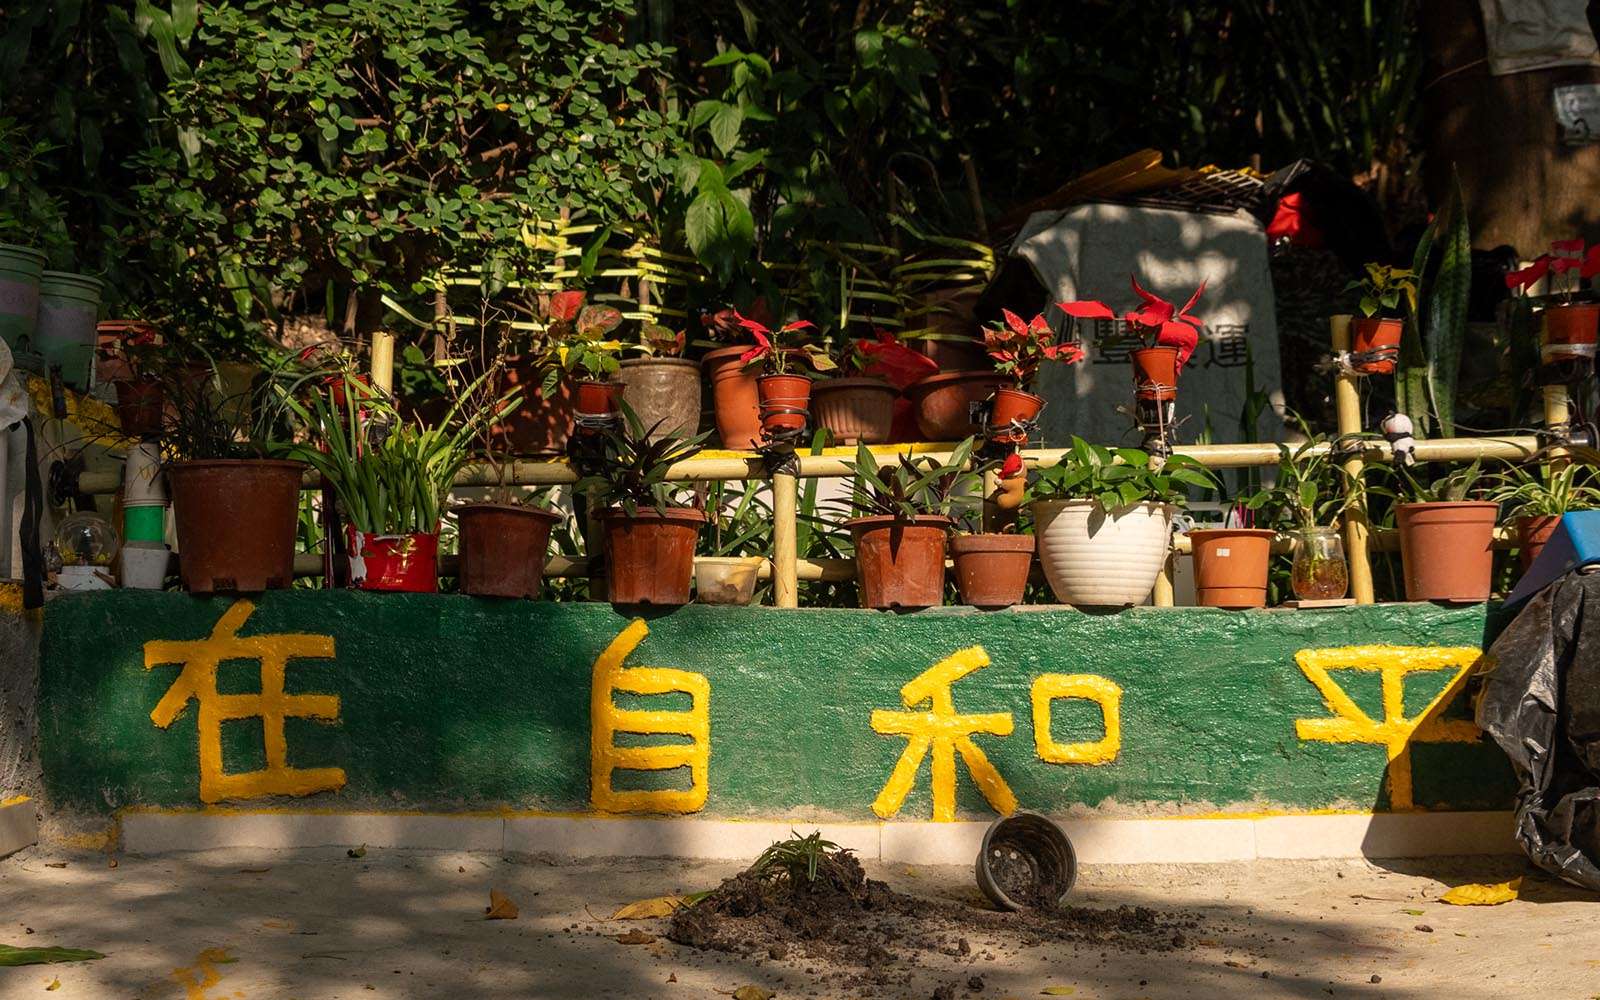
845	920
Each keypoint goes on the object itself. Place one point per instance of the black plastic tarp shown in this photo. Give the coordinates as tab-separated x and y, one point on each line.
1541	703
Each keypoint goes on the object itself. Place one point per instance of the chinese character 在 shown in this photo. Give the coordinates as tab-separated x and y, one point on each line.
198	680
939	731
1397	731
606	720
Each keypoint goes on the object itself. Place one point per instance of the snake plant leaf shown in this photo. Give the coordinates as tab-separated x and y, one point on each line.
1447	310
11	956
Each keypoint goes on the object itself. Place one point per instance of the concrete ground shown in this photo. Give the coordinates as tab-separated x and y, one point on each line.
320	924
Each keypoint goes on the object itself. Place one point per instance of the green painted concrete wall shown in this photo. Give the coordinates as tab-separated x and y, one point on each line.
449	704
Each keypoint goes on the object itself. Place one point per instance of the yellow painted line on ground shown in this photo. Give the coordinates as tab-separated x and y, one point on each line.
15	800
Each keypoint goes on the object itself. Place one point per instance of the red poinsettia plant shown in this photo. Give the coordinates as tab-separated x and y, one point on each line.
887	358
1020	347
777	350
1567	258
1157	322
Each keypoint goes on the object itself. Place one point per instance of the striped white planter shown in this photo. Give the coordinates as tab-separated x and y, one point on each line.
1094	558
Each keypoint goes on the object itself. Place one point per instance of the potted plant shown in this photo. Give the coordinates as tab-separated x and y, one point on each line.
1309	493
735	404
1570	326
1018	349
900	525
857	407
235	509
1103	520
1169	335
991	567
1375	335
391	477
782	392
1446	535
1537	495
563	371
650	531
141	400
662	387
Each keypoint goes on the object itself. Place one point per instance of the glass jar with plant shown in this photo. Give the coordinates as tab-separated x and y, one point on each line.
1537	494
1169	335
783	392
661	386
991	567
857	405
1387	295
1103	520
650	528
1018	349
391	477
1308	495
1570	326
901	520
1446	533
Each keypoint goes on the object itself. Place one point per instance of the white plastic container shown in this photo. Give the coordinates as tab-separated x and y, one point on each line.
1101	559
726	580
144	565
142	481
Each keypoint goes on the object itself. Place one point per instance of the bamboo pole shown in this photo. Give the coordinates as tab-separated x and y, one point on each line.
1347	403
1557	421
785	510
556	567
383	361
1161	596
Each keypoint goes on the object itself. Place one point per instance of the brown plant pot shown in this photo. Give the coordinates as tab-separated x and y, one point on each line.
1011	404
540	425
854	410
141	404
664	393
235	520
949	313
1570	331
785	402
503	549
1376	334
1445	549
1155	373
900	564
1230	566
650	554
111	337
596	399
1533	533
992	569
943	402
734	398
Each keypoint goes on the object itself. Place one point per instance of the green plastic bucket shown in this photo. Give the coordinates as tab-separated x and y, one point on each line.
20	268
144	522
69	307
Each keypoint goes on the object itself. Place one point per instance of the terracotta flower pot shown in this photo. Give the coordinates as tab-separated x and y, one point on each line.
1155	373
650	554
664	393
141	405
540	425
1369	334
596	399
1101	559
1013	404
944	401
113	337
503	549
1532	535
992	569
900	564
1444	548
734	398
785	403
854	410
1570	331
235	520
1230	566
949	313
406	563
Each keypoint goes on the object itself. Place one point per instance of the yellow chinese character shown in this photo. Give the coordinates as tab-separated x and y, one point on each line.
1349	724
1047	688
606	720
198	680
943	732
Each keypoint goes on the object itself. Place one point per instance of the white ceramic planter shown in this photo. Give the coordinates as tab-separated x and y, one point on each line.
1094	558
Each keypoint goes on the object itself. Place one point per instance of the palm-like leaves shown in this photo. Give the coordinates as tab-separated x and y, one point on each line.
912	486
633	467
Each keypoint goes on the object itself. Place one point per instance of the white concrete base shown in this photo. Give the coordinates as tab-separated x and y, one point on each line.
1170	840
19	826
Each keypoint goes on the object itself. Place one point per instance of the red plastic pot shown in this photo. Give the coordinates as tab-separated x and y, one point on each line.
235	520
1012	404
943	402
597	399
1155	373
1533	533
540	425
650	554
992	569
1570	331
734	398
900	564
141	405
406	563
503	548
1371	334
785	402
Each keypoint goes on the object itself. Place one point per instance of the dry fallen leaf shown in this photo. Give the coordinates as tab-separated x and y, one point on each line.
1414	913
752	993
356	852
500	906
672	977
1059	991
55	864
634	937
55	984
656	906
1483	895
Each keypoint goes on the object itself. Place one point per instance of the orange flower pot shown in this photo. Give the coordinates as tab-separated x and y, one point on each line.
943	402
650	554
734	398
785	402
503	549
1155	373
1445	549
1370	335
1570	331
992	569
900	564
1533	533
1230	566
596	399
1011	404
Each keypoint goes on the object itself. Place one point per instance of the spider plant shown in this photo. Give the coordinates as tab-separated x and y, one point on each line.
912	486
1544	490
796	858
